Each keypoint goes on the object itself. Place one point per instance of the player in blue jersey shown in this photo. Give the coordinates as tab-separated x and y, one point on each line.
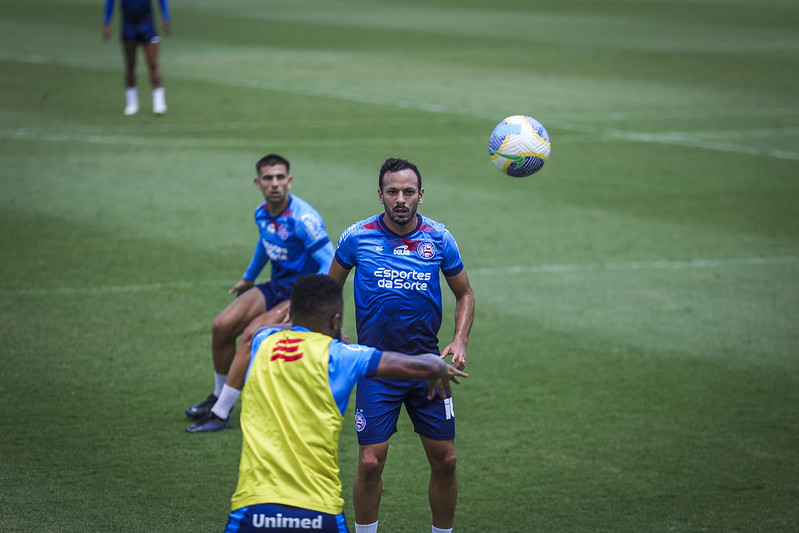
298	386
397	256
138	28
293	238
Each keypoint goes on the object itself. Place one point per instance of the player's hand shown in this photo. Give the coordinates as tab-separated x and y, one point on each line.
166	28
442	385
241	287
107	32
458	352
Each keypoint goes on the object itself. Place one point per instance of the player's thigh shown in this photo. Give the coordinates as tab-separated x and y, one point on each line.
440	453
276	315
129	50
151	53
241	311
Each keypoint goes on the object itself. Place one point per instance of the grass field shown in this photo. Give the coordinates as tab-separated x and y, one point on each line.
634	359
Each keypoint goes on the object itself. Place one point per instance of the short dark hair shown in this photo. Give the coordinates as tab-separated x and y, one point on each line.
394	164
313	294
271	160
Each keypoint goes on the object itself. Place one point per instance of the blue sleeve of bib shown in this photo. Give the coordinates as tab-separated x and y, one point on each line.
349	363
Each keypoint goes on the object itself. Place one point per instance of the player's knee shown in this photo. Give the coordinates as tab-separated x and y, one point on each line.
445	464
370	467
223	328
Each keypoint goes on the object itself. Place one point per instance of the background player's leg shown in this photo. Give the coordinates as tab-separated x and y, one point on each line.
227	326
226	399
231	323
131	95
241	360
159	98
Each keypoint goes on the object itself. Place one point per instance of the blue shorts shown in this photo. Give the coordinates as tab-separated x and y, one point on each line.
377	406
272	295
141	33
276	518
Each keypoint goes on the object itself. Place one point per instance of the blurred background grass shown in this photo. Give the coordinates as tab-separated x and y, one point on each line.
634	354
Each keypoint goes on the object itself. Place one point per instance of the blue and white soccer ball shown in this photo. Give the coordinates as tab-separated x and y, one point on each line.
519	146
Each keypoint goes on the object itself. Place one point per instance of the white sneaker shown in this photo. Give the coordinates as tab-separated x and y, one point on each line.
159	101
131	109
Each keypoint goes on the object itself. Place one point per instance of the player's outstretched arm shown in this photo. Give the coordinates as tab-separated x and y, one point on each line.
395	365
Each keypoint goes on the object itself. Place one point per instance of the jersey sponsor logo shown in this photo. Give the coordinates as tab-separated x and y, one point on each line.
426	250
402	279
402	250
280	522
276	253
287	349
360	421
313	226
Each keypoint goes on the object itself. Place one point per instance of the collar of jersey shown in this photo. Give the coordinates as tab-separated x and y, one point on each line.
387	230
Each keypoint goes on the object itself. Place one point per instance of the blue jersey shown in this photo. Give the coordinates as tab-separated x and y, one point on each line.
397	287
294	241
136	12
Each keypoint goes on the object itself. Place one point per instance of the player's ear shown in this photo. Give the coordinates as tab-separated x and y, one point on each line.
380	196
335	321
421	195
289	181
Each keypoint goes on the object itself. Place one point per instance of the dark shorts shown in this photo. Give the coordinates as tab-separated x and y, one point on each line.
272	295
377	407
141	33
274	518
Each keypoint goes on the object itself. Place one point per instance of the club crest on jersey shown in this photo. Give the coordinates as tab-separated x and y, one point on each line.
360	421
280	229
426	249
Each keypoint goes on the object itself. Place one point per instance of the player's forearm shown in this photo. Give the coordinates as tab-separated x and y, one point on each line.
464	316
394	365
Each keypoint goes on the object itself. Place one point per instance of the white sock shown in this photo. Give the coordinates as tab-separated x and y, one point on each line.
219	383
226	401
159	100
132	96
439	530
368	528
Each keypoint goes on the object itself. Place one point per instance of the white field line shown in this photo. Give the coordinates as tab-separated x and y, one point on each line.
490	271
695	140
633	265
675	138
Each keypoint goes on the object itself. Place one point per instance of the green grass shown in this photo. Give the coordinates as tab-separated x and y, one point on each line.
634	356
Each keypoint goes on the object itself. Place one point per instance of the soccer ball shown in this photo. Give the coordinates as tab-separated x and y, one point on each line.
519	146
